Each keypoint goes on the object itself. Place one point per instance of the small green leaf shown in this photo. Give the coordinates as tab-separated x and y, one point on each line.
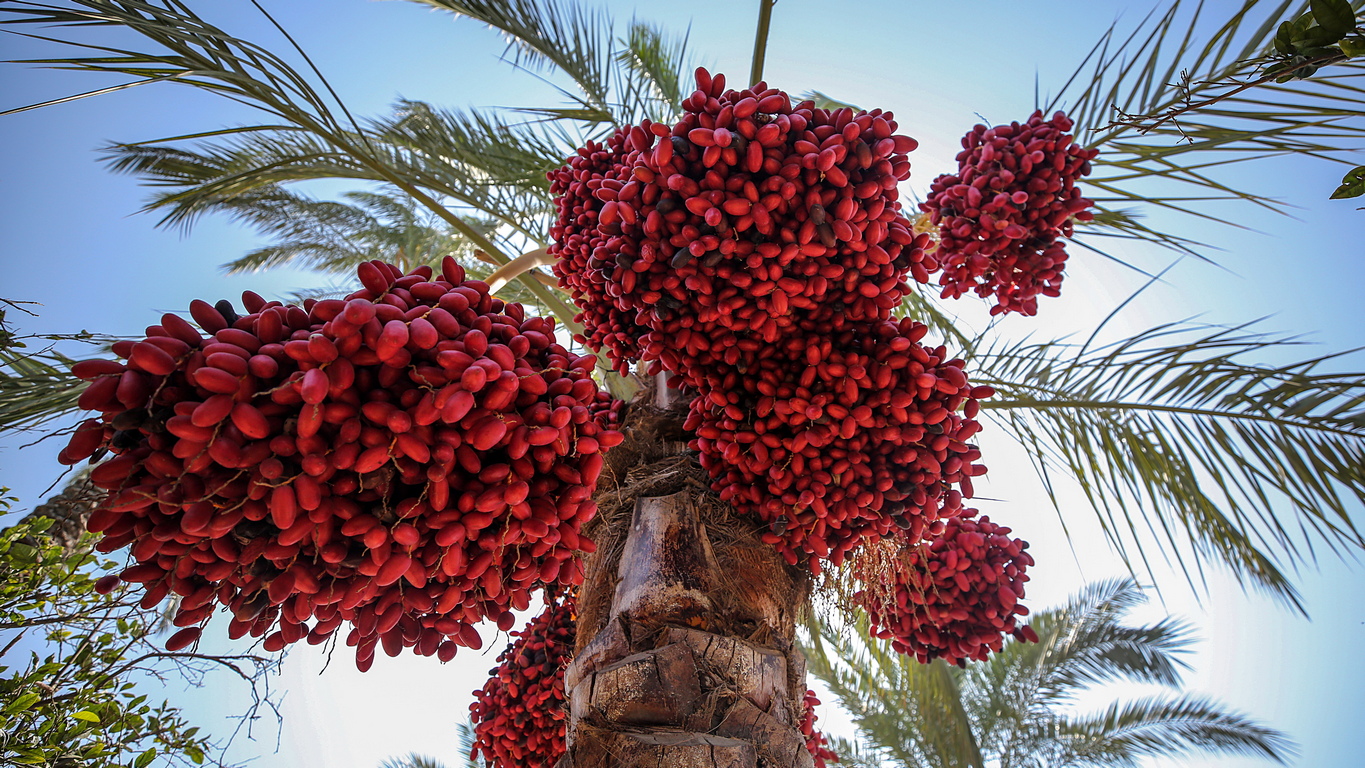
1335	17
1352	184
1284	38
87	716
1313	37
1353	46
145	759
23	554
22	703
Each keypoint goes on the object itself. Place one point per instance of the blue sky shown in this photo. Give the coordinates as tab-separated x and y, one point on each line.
75	243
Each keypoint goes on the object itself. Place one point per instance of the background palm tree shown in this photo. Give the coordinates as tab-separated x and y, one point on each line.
1017	710
464	734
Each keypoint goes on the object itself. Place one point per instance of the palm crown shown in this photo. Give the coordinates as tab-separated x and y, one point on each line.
1179	425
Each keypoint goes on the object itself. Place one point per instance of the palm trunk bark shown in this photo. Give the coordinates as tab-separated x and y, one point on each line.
70	510
686	620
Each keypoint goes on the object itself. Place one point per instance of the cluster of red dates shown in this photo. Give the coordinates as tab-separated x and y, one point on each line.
519	715
1003	215
420	456
409	461
756	249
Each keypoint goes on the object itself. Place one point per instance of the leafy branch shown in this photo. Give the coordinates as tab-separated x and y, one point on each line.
1168	65
1328	34
77	698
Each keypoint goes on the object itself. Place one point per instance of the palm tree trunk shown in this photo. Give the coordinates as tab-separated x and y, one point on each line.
686	620
69	510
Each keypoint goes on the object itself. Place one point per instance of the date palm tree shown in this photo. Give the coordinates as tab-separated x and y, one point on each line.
1180	431
1018	709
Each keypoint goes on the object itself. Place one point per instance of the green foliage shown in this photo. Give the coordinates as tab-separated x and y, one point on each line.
71	701
1169	109
1016	710
1314	39
1171	431
36	385
1352	184
464	733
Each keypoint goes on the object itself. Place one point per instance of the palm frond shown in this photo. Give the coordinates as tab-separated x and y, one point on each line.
922	305
335	237
498	150
36	385
322	139
1016	691
1016	709
884	691
1172	432
618	81
1167	726
1166	61
481	160
547	35
412	760
464	733
216	177
660	64
35	388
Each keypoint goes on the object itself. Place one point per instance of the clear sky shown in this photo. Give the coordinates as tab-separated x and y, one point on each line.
74	243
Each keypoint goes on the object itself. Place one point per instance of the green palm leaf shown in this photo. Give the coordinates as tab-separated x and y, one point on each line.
36	385
1164	63
1016	709
412	760
1171	432
618	82
335	237
661	65
35	389
1164	726
216	177
544	35
883	690
320	138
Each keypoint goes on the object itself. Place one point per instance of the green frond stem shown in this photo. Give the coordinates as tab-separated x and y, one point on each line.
1116	405
765	17
1182	439
1167	726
